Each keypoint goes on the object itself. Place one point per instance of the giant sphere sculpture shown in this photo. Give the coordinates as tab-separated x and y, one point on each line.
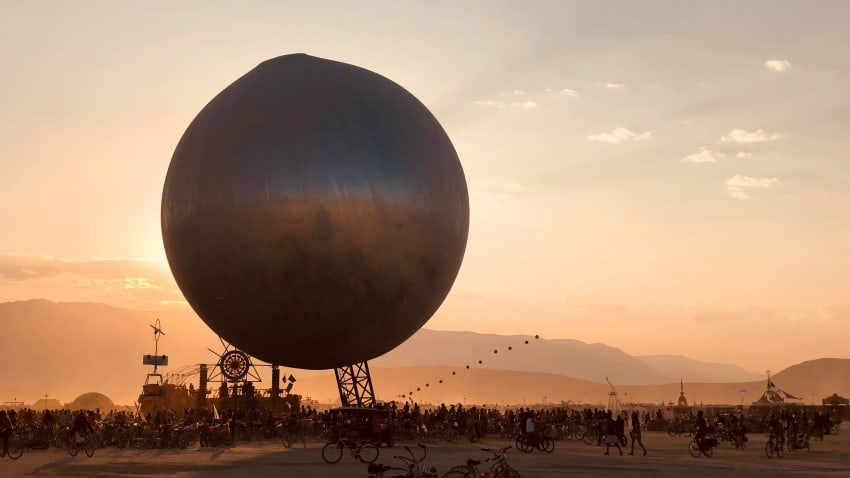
314	214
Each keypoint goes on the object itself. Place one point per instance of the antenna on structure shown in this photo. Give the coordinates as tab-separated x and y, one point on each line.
156	360
613	402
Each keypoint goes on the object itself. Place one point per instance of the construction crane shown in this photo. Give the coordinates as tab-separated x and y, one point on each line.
613	402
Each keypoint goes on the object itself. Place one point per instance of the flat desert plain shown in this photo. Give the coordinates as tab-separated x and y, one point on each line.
668	456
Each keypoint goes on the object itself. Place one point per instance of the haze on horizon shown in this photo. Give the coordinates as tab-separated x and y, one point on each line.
663	177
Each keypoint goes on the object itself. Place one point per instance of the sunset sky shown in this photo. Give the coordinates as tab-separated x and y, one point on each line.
664	177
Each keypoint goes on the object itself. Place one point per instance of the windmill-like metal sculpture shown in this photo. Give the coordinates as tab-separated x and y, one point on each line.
156	360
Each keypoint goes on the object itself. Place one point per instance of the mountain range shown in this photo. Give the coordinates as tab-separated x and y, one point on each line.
62	350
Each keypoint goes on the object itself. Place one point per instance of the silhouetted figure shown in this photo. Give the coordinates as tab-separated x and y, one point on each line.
5	430
635	433
611	438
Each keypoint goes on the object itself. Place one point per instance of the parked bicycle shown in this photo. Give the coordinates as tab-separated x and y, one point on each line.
365	451
499	469
16	445
413	467
215	435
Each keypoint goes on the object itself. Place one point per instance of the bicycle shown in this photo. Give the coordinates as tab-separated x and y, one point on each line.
80	441
16	446
499	469
412	466
365	451
798	441
702	445
215	435
738	439
526	443
774	446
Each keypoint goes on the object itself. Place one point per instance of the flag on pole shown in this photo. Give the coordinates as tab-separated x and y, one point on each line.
215	413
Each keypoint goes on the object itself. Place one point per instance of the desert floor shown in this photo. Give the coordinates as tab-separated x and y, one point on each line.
667	457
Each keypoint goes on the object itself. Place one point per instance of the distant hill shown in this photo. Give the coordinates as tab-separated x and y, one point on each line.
66	349
568	357
695	370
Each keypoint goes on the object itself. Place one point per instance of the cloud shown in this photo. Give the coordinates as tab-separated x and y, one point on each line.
563	92
736	185
119	282
736	193
499	104
743	136
512	94
619	135
704	155
778	65
490	103
748	182
524	104
613	86
743	155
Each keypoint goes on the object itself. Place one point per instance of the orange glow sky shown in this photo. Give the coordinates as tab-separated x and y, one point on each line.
663	177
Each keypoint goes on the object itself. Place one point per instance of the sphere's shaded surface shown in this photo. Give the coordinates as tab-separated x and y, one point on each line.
315	214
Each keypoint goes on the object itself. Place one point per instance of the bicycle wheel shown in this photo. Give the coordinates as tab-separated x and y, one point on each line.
88	447
693	448
368	452
288	439
589	437
623	440
547	444
708	451
332	452
16	447
780	450
73	448
578	435
226	437
521	443
768	448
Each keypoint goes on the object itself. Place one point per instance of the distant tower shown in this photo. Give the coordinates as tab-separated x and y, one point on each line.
683	402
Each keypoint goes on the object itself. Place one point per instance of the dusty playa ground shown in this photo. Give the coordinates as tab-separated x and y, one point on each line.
667	457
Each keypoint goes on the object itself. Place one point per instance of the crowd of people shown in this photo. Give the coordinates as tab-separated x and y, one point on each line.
408	420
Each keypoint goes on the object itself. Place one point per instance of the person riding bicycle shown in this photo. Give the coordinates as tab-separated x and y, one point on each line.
527	419
738	429
777	430
700	428
81	425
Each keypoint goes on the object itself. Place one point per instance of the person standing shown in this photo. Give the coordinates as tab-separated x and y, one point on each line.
611	438
5	430
635	433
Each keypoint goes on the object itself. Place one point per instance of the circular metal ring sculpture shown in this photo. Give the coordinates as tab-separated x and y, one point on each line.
234	365
315	214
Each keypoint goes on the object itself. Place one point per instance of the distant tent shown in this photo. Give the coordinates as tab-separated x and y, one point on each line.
91	401
835	399
774	395
47	404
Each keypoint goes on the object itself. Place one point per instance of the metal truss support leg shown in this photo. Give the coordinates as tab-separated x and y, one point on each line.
355	385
